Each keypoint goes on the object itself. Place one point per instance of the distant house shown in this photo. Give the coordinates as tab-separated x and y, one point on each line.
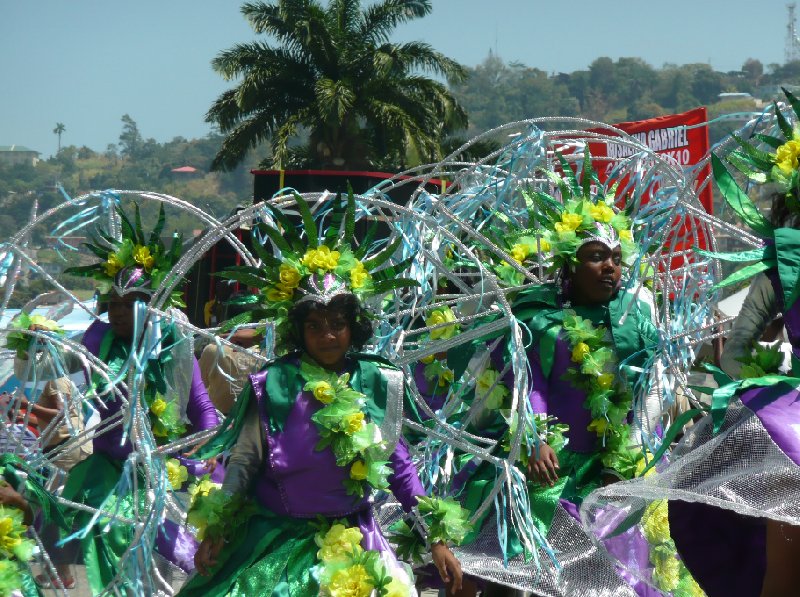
12	155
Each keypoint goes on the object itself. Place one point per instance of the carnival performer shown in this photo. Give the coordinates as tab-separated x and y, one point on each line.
733	482
315	435
589	339
22	496
132	271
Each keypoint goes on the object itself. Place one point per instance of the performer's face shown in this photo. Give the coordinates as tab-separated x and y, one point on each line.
597	274
327	337
120	313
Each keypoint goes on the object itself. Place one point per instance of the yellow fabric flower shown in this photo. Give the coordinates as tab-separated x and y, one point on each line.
358	471
202	488
428	359
643	462
579	352
667	571
353	423
142	256
485	381
599	426
786	156
519	252
655	522
544	244
289	277
42	322
353	581
397	588
626	235
176	473
440	316
446	377
359	275
8	542
277	294
113	265
323	392
601	212
338	543
158	407
605	380
569	222
321	258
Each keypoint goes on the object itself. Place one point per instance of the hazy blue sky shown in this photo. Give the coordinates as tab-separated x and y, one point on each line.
87	62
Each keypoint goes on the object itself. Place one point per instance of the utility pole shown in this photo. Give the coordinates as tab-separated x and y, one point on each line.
792	49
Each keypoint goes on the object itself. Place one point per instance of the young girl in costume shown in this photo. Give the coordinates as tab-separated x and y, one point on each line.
314	436
133	270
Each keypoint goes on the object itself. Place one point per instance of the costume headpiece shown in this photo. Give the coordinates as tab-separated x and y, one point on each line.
132	263
315	266
782	244
579	218
781	167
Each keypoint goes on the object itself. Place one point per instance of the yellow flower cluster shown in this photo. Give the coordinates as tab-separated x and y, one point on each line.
579	352
786	157
359	275
490	379
321	258
599	426
569	222
113	265
289	277
445	317
339	543
9	539
323	391
353	422
176	473
519	252
158	407
142	256
667	571
601	213
358	472
353	581
655	523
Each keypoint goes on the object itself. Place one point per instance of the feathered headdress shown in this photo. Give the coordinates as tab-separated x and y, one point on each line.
132	263
314	265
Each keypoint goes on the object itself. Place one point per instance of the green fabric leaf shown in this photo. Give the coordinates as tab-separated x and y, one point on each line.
787	244
746	272
794	102
773	142
765	252
308	221
784	125
738	199
383	256
760	159
155	236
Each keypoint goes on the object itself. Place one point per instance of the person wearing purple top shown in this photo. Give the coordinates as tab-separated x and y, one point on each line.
91	481
311	505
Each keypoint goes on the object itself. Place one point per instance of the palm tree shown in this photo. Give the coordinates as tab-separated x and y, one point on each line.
335	75
59	130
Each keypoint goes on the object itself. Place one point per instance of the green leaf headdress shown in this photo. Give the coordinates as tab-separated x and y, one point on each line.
579	218
315	265
133	262
780	166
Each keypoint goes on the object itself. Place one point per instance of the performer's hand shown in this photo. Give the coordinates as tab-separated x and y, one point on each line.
542	466
448	566
10	497
194	450
211	465
206	555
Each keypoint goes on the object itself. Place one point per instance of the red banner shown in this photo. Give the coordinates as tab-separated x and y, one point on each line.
668	136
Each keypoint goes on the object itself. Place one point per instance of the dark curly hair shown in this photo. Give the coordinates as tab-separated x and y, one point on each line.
358	320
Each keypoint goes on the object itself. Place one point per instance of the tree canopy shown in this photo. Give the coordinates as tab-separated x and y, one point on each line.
362	100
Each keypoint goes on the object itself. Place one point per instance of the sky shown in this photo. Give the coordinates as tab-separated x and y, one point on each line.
85	63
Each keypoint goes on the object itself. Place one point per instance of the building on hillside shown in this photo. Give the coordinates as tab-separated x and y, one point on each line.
11	155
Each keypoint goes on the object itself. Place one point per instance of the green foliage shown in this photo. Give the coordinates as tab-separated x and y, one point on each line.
333	73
